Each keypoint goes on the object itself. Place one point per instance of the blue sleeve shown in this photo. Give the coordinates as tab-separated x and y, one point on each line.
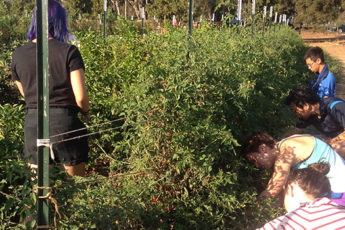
327	86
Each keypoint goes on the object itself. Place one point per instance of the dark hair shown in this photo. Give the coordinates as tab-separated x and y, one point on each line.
302	95
255	140
314	53
312	180
57	20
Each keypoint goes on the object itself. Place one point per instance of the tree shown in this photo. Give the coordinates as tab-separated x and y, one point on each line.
164	9
115	6
317	11
78	7
136	5
286	7
16	21
208	7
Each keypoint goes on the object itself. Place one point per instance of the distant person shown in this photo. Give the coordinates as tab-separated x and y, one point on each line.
306	204
295	152
235	20
327	115
67	93
324	82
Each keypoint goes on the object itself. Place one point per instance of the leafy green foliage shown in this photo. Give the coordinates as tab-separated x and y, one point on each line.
8	91
15	16
189	103
16	196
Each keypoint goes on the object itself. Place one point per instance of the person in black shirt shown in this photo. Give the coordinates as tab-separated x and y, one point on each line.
327	114
67	93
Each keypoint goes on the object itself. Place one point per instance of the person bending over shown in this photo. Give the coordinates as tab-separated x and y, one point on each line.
327	115
306	204
67	93
324	82
294	152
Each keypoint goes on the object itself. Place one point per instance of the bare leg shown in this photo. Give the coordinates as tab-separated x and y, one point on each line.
339	147
76	170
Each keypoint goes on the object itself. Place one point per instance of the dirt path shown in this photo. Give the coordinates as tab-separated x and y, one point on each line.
334	45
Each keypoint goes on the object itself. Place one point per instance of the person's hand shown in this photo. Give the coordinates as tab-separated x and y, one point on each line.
265	194
86	116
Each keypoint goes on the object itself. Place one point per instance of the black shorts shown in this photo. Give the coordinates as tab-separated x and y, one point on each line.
61	120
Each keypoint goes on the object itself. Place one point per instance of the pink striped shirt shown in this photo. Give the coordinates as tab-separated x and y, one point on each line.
320	214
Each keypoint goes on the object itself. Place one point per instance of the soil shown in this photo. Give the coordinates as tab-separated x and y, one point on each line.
332	43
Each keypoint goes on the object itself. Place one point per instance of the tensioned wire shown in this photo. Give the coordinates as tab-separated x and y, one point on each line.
93	133
89	134
92	126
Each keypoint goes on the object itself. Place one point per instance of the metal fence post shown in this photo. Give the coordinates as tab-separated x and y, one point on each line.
253	16
142	17
239	12
271	14
275	20
190	17
100	23
42	68
263	24
105	18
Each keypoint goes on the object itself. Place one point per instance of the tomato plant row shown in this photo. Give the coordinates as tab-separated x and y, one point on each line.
191	101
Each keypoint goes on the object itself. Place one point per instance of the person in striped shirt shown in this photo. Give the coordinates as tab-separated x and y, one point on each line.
305	201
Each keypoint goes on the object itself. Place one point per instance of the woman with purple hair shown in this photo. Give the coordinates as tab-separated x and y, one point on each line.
67	94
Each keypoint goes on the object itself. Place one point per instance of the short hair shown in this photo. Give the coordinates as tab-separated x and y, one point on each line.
302	95
57	19
314	53
255	140
312	180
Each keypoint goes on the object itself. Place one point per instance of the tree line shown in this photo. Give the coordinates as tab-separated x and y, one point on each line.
303	11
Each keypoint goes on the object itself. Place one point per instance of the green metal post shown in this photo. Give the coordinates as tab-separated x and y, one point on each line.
42	68
142	19
280	21
275	21
105	18
253	16
100	23
253	23
239	12
270	21
190	17
263	24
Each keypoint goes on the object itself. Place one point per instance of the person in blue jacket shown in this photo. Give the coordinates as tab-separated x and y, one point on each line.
327	114
324	82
